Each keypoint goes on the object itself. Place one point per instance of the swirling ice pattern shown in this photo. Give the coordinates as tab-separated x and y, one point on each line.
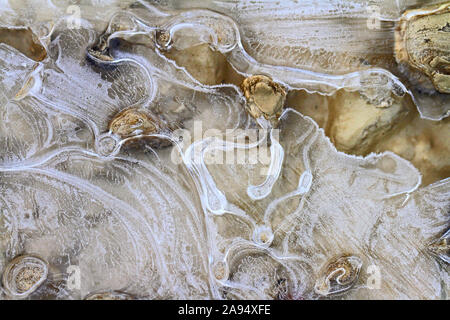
135	221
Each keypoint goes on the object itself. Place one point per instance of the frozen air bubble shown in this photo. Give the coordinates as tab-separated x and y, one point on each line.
263	236
108	145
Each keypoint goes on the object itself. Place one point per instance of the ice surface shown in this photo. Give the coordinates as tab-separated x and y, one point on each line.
172	223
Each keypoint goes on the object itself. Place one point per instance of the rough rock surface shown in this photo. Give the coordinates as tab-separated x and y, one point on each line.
423	42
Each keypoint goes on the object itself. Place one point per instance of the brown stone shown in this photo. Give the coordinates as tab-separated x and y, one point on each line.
264	96
422	41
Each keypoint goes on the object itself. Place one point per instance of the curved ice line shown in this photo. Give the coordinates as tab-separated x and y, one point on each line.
200	171
96	191
261	191
33	162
